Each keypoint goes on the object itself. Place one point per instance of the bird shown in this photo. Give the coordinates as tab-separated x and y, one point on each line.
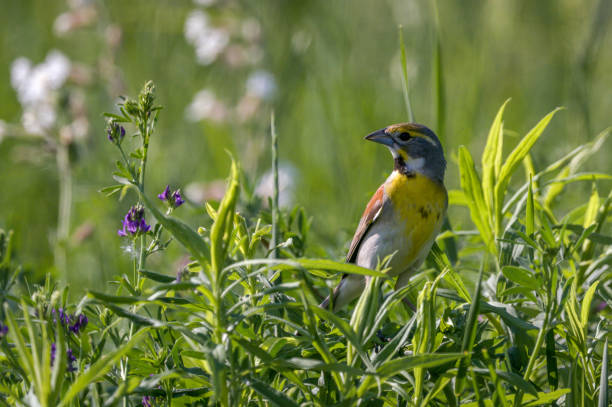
404	215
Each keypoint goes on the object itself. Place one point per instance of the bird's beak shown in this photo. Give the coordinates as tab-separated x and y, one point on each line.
381	137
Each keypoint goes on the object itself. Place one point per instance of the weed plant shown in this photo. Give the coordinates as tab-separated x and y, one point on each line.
517	317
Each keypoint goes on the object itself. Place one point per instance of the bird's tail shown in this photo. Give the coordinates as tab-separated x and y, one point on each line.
325	303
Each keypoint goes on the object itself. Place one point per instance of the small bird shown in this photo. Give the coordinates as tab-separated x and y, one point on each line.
404	215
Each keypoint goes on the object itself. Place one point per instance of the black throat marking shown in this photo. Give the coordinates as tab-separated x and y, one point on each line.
400	165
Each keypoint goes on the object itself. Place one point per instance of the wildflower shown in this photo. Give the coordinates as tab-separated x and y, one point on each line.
173	199
53	349
180	274
261	84
69	355
205	106
146	401
80	324
3	330
64	318
208	41
71	359
115	132
134	222
36	88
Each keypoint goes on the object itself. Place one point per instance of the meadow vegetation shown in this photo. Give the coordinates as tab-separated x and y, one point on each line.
240	323
135	271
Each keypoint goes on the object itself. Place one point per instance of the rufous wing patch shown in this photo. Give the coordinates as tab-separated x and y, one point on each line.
371	213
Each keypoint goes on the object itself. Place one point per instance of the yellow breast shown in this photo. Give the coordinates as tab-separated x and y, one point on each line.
419	204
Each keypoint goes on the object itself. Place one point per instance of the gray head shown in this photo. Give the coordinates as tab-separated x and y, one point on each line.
414	147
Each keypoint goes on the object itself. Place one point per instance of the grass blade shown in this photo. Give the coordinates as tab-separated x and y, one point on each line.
472	187
405	76
276	397
513	160
603	379
100	368
469	336
491	156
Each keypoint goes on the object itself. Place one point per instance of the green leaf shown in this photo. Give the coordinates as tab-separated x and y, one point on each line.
514	159
451	277
346	330
276	397
113	299
472	188
424	360
544	398
552	372
491	157
160	278
186	236
220	231
110	190
591	211
586	305
100	368
603	379
520	276
512	378
529	210
469	335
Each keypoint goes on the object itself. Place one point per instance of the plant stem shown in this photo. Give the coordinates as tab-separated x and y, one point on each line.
275	192
144	131
65	207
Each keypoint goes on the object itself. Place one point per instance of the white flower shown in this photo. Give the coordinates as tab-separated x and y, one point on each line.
36	86
205	106
195	25
208	41
261	84
287	179
20	72
36	119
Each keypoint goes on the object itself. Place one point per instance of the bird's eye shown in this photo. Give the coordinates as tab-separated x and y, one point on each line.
404	136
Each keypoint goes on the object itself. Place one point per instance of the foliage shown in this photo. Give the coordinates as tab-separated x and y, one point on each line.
237	326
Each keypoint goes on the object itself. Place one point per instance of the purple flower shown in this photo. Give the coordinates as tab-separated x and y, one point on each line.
3	330
80	324
53	349
164	196
64	318
71	359
177	198
146	401
134	222
115	132
173	199
69	355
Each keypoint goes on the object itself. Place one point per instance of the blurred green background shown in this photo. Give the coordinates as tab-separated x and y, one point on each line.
329	69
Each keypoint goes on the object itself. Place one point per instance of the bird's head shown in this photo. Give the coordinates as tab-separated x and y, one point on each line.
414	148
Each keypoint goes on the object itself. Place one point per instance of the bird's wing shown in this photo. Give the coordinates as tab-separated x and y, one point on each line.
371	213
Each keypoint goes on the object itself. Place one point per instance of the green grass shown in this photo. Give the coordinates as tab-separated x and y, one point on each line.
515	321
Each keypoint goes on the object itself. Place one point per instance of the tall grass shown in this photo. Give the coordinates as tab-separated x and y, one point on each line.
236	327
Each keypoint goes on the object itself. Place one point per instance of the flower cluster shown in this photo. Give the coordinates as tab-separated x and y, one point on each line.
173	199
134	222
80	321
3	330
69	355
115	132
36	88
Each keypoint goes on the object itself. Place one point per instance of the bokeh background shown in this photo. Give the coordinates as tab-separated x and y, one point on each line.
330	70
